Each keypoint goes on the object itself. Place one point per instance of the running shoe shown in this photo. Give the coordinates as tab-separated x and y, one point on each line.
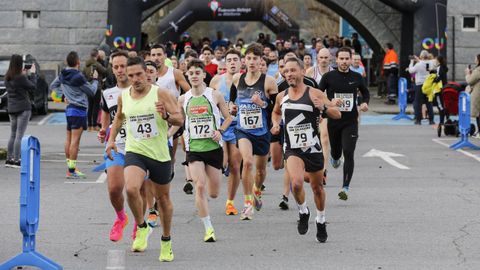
188	188
141	240
336	163
230	210
284	203
257	200
166	253
152	218
209	236
262	188
116	233
226	171
247	212
76	175
303	222
343	194
321	232
9	163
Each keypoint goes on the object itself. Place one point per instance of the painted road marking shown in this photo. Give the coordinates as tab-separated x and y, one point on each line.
387	157
102	178
466	153
45	119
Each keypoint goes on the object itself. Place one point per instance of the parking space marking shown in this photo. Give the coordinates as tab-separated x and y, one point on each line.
466	153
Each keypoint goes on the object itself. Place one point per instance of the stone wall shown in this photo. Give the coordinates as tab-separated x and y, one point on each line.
64	25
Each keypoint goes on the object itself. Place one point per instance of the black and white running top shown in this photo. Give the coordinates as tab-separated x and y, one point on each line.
301	119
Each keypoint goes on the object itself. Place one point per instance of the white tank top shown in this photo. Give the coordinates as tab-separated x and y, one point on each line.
167	81
317	76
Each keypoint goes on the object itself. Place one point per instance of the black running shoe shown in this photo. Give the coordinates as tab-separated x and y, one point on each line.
263	187
321	232
303	223
188	188
16	164
284	203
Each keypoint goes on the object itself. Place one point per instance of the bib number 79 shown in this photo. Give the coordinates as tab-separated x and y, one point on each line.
300	137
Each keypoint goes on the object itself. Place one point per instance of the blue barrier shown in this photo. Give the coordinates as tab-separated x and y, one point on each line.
402	100
29	209
464	123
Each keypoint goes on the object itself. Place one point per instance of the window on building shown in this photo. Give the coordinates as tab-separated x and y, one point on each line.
470	23
31	19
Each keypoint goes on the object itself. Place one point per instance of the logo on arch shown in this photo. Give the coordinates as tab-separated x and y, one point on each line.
214	5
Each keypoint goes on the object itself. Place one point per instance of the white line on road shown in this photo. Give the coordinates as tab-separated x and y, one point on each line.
63	161
81	182
83	154
45	119
387	157
468	154
102	178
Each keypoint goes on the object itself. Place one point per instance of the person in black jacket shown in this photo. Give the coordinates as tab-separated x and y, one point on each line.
442	70
19	88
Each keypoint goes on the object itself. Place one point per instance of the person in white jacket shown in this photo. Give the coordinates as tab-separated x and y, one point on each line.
421	66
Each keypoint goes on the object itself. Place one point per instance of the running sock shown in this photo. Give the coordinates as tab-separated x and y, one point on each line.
72	164
166	238
230	202
121	215
248	198
303	208
320	216
207	223
143	225
345	188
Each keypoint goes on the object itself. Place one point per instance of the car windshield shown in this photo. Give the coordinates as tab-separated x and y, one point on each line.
3	67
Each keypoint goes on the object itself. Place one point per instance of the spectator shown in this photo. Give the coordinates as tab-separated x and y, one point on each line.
441	71
356	44
315	49
421	68
220	41
266	50
20	81
301	50
272	63
357	65
132	54
91	65
473	79
279	46
332	48
347	43
390	71
210	67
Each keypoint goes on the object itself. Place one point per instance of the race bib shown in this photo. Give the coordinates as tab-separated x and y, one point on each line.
251	118
122	134
300	135
144	126
348	101
201	127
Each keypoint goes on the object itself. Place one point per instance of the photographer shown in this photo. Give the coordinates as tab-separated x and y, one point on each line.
95	63
20	81
421	66
472	76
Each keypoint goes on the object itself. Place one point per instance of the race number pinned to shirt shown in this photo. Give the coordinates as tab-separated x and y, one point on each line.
251	117
300	135
144	126
122	134
348	101
201	127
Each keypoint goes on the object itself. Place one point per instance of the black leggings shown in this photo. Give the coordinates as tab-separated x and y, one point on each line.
343	139
441	108
93	107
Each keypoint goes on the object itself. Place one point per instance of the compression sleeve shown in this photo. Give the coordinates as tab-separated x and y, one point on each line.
104	104
233	93
271	103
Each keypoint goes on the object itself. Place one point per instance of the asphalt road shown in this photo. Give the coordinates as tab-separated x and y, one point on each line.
423	217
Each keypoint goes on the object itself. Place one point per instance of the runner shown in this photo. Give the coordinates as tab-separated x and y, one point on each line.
115	178
300	107
250	95
203	108
74	88
231	155
147	110
341	86
316	72
172	80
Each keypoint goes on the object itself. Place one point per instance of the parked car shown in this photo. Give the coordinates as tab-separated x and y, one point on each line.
40	96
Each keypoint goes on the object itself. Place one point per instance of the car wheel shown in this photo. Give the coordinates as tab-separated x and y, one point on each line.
43	110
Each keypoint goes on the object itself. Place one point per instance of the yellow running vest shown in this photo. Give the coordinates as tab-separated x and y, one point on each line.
146	129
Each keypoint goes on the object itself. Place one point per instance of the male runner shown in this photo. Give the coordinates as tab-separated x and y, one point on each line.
300	107
250	94
73	86
203	108
341	86
316	72
115	179
147	110
232	155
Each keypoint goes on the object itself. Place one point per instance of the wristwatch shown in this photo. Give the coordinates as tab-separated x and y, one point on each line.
168	116
221	130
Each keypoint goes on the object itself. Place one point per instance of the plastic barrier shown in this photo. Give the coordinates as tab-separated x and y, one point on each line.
402	100
464	123
29	209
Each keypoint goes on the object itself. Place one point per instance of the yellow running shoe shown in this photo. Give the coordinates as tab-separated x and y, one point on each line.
210	235
166	253
230	210
141	240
